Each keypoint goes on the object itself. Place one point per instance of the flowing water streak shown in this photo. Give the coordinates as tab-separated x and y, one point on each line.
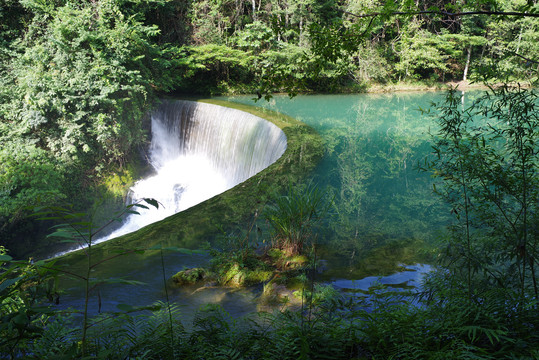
200	150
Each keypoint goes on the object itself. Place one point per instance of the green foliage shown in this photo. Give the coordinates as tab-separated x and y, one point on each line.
255	37
487	156
419	52
78	80
75	228
214	68
82	83
330	38
23	286
28	175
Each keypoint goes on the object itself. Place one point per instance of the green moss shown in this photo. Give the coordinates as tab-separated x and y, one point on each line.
259	276
284	262
189	276
276	254
297	261
234	276
239	276
244	267
117	182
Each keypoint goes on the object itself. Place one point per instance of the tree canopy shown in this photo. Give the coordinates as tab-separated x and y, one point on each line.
79	76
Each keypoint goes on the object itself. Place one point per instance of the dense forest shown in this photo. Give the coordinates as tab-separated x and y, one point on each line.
79	78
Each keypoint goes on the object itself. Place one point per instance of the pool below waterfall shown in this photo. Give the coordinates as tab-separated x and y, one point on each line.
385	221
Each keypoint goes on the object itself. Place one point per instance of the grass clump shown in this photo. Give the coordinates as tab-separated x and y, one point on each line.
294	216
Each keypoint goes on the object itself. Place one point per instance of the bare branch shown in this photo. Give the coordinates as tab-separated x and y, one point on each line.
523	57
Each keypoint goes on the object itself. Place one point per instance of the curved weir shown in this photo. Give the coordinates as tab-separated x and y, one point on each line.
199	150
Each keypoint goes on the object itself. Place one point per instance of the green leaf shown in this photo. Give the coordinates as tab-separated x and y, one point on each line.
8	282
62	234
5	258
152	202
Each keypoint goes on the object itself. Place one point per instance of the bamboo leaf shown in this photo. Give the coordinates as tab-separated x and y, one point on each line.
152	202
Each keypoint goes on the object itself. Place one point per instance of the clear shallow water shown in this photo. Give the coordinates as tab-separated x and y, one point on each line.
154	272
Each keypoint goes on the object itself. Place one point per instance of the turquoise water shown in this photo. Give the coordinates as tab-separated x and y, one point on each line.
385	222
385	212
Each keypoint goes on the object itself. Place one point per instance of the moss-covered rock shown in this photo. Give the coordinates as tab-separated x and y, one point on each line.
281	288
189	276
238	270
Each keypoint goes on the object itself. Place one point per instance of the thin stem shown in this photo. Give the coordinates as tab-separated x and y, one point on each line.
86	299
524	241
468	240
168	301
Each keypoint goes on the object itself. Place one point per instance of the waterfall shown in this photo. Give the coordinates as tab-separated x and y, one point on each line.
200	150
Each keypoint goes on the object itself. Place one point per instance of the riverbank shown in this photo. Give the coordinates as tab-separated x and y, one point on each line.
463	85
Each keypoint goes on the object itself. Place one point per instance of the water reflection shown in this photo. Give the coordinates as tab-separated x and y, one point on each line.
410	277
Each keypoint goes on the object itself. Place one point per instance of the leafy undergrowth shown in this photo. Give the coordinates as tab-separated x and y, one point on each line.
381	326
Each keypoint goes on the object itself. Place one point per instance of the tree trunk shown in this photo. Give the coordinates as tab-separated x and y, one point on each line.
519	40
467	67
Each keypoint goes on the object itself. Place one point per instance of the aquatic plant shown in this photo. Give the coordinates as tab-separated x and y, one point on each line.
294	216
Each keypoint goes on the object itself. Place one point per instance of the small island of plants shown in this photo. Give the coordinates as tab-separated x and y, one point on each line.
280	264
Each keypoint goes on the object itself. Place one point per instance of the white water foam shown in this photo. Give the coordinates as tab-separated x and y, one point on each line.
198	151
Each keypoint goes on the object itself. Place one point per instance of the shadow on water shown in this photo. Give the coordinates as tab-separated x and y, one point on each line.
147	269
